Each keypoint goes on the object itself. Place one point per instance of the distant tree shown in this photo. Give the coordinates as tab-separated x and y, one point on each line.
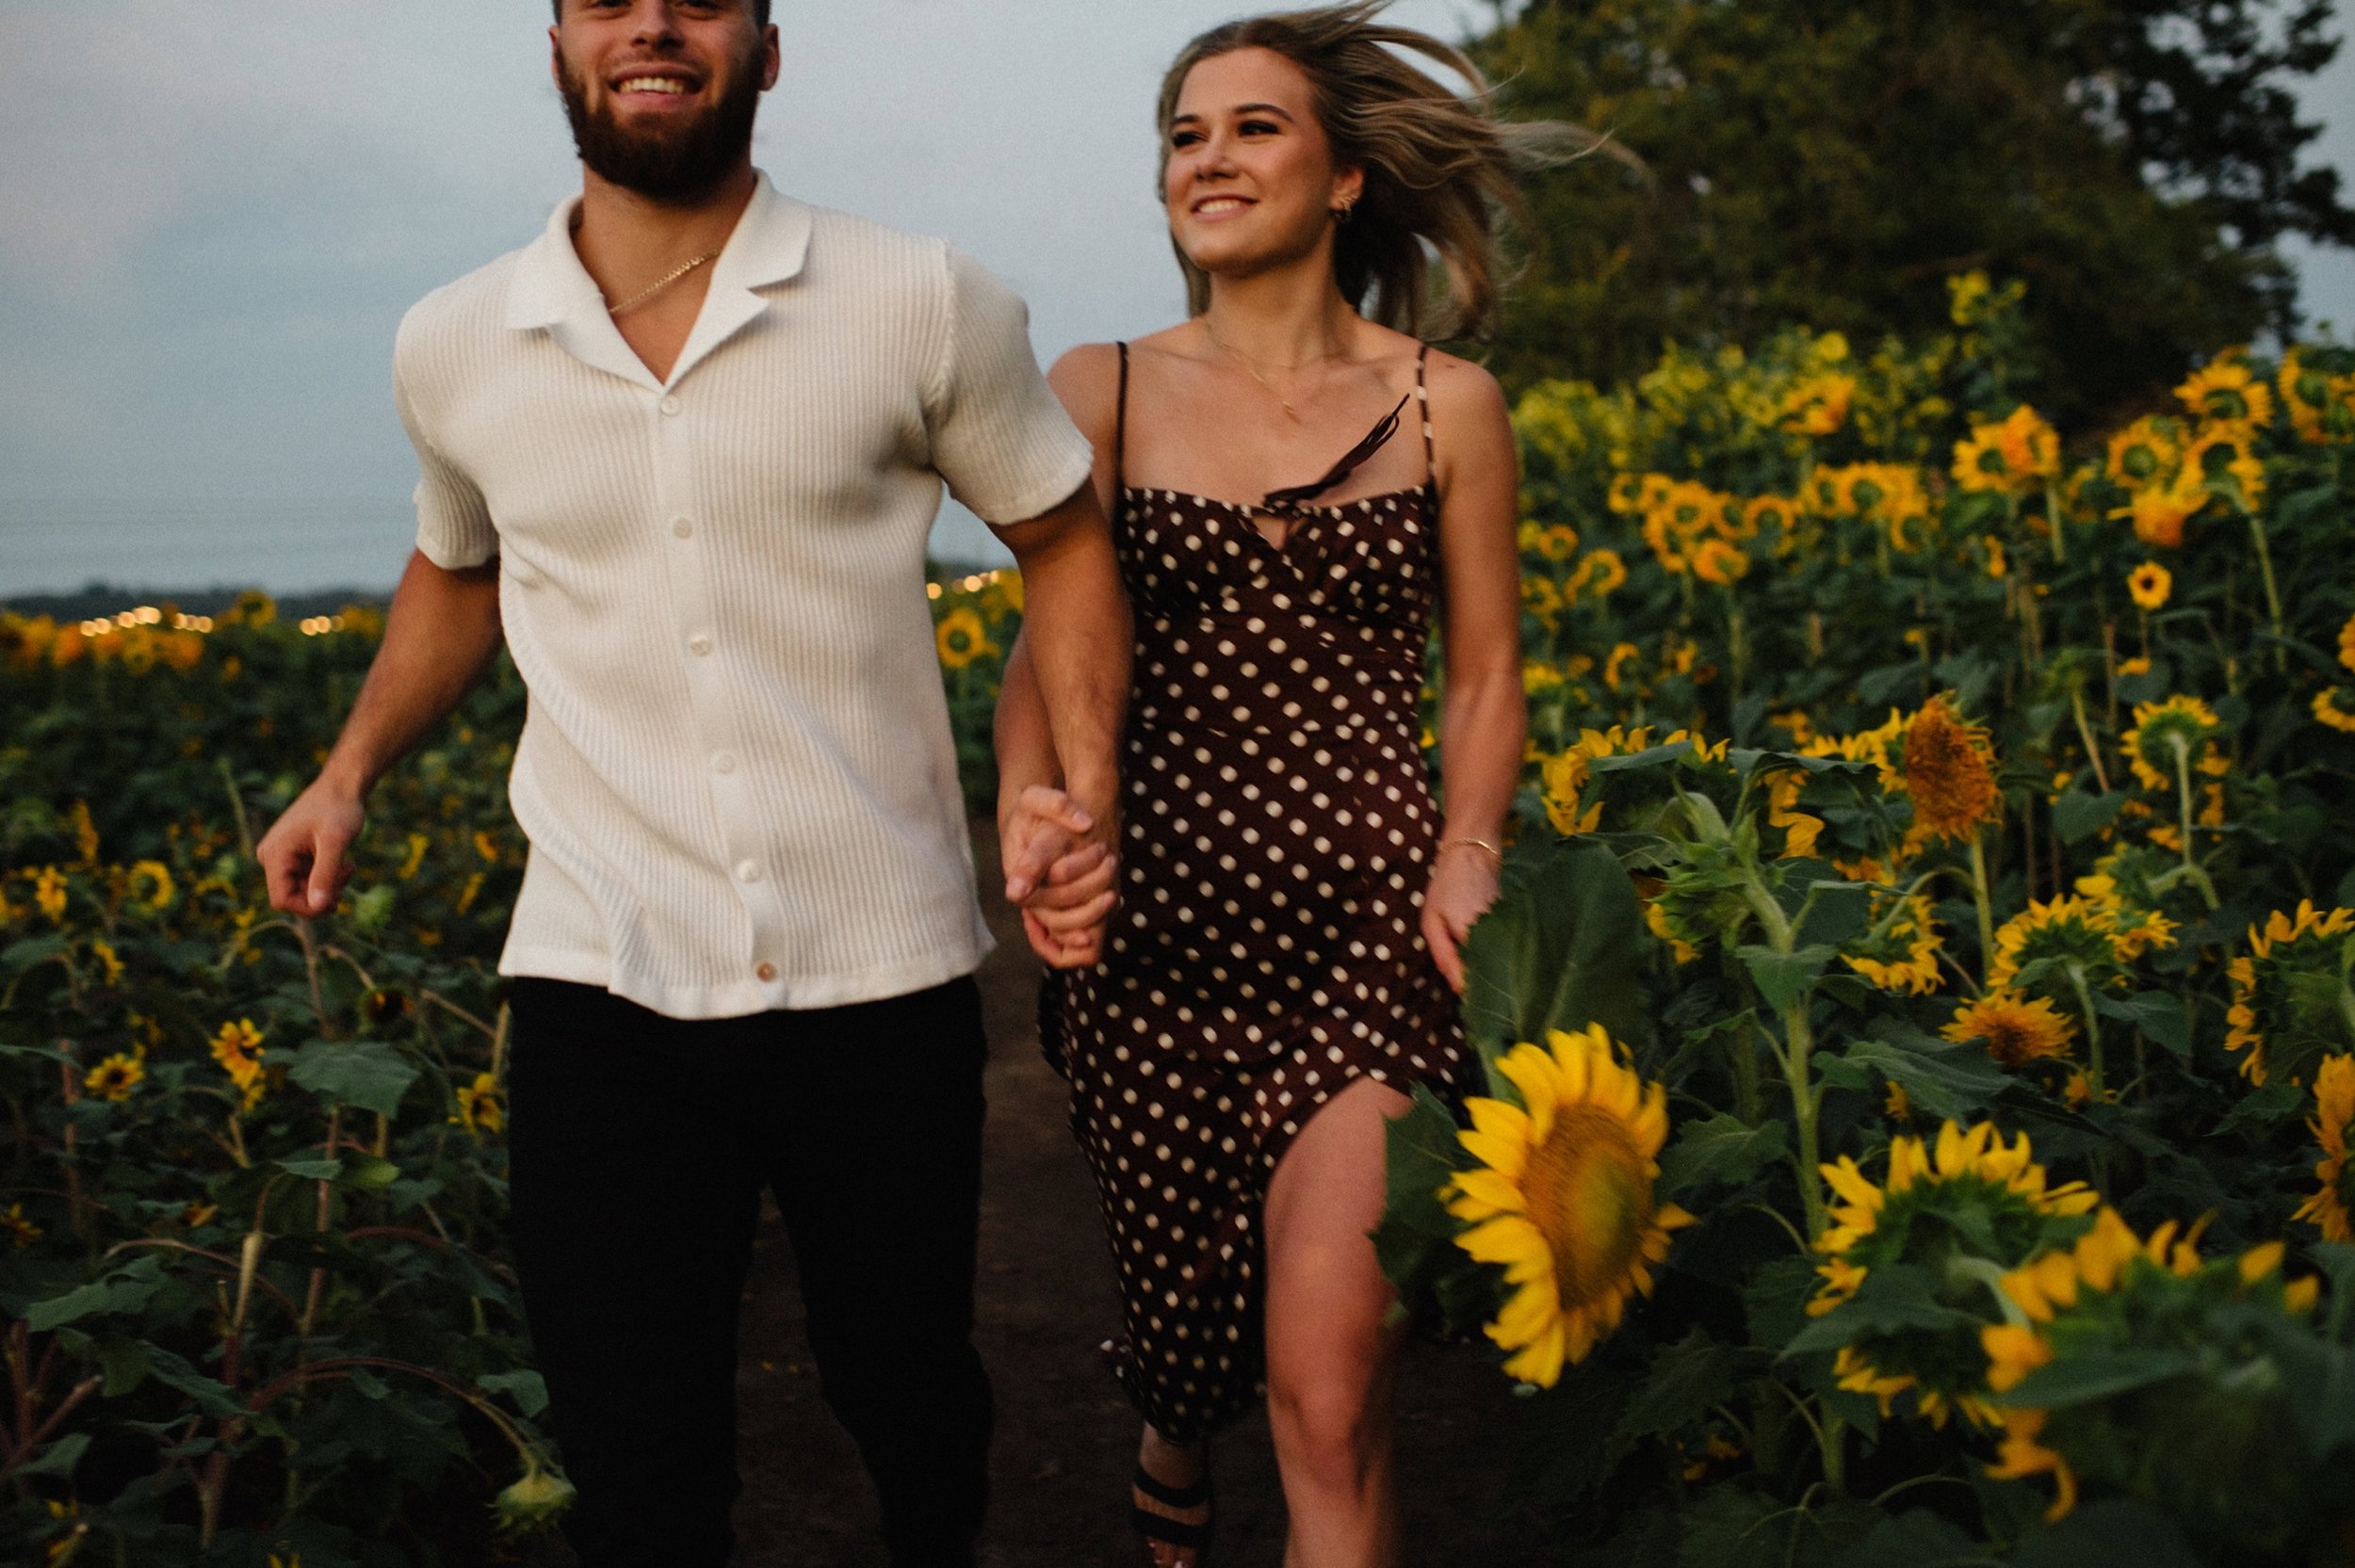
1828	161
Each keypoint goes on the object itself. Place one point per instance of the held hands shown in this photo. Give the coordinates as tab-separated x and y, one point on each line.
1060	876
303	855
1463	882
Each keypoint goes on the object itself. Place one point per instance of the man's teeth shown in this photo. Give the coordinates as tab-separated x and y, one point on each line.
653	84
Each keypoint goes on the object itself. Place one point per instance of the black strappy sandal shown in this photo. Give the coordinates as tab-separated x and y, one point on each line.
1160	1530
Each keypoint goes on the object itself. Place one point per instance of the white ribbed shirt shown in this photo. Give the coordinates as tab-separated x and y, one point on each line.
736	774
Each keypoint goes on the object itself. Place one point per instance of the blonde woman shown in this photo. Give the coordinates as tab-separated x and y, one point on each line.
1299	486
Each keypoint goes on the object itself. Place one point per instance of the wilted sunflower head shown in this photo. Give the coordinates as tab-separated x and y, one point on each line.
2160	510
1563	1197
2017	1029
1950	773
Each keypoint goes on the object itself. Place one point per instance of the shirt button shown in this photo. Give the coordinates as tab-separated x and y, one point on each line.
765	972
671	405
748	871
699	644
682	527
724	763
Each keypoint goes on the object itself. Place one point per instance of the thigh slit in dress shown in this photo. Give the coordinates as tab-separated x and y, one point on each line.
1278	831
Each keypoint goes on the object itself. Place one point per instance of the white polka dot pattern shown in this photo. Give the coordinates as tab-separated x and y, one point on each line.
1267	950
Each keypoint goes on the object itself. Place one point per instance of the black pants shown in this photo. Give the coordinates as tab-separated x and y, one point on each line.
639	1148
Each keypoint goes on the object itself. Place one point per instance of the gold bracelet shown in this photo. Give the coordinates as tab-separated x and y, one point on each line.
1476	843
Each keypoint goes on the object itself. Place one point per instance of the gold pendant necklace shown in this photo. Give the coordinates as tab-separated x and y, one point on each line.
664	282
1251	371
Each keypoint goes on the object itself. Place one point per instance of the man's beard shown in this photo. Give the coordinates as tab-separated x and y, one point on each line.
679	167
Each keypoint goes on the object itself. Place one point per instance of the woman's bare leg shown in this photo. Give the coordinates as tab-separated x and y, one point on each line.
1330	1357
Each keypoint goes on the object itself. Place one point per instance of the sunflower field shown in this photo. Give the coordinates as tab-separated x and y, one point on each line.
1919	1028
255	1307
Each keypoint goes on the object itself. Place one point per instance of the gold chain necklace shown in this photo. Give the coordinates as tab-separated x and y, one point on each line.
1251	371
665	281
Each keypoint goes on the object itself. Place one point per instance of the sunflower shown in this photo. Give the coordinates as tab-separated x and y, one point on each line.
49	892
1762	512
1554	542
2041	943
115	1077
2017	1029
1563	1197
2143	451
1602	573
2137	924
963	637
1998	565
1717	561
2013	457
2113	1294
1819	405
2346	643
1540	596
2335	705
1799	829
1950	773
482	1106
1564	776
1899	951
2158	729
2334	1120
2160	511
239	1049
2239	464
2291	997
2150	584
154	876
1614	667
1969	1196
1883	746
2229	391
20	1230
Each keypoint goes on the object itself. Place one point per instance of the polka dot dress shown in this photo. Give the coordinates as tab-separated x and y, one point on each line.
1267	953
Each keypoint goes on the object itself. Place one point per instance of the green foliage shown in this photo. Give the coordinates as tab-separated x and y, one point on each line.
2136	160
1988	806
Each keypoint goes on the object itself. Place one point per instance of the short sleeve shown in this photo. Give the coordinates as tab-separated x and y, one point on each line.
454	528
1000	437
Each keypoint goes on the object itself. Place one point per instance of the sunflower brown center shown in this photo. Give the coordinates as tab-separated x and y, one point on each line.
1588	1192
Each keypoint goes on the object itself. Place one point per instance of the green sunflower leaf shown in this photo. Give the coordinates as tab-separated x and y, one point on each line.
365	1073
1560	949
1724	1150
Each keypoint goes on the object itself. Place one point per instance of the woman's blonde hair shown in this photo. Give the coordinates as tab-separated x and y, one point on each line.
1439	166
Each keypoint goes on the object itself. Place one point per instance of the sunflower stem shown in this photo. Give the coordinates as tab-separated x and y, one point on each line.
2192	873
1979	895
2085	734
2273	592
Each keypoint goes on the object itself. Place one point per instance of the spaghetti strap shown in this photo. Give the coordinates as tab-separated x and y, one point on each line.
1120	428
1423	403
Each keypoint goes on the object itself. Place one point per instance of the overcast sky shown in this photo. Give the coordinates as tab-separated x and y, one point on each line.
212	214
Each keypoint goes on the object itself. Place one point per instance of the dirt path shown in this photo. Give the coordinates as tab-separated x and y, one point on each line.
1065	1437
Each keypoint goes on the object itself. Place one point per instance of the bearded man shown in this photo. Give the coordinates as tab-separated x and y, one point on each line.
683	452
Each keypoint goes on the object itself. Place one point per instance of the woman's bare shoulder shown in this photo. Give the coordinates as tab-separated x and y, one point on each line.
1466	391
1087	378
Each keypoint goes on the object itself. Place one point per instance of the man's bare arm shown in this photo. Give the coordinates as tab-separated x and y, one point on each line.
1075	622
442	633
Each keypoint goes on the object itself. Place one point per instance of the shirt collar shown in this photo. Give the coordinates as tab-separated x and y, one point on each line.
549	286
